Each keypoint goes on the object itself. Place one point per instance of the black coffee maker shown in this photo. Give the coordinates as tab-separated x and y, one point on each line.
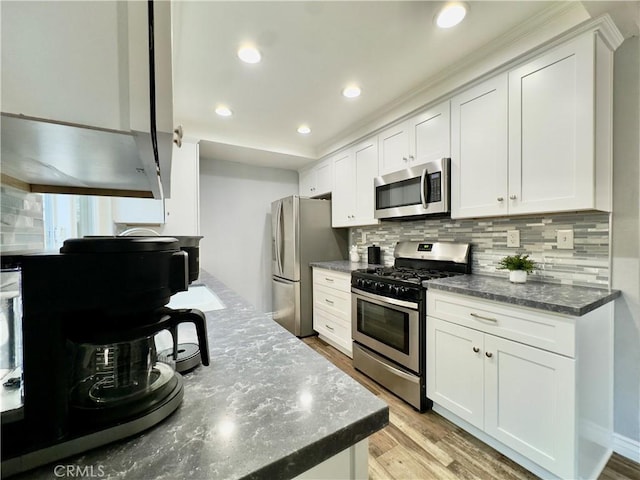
91	370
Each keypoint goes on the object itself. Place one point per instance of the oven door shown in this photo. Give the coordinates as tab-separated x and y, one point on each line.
387	326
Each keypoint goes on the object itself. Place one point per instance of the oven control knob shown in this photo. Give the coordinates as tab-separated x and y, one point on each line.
379	286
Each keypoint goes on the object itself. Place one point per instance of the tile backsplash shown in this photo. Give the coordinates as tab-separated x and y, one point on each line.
587	264
22	220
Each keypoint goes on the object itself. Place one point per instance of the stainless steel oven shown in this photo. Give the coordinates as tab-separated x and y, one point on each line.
386	344
389	315
417	191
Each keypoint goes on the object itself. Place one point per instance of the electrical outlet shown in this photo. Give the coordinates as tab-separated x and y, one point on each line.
565	239
513	238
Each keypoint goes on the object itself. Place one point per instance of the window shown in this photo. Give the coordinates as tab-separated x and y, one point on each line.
70	216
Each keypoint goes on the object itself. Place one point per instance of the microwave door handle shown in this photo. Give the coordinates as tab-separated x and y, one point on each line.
424	189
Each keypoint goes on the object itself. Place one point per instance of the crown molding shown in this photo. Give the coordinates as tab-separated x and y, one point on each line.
545	29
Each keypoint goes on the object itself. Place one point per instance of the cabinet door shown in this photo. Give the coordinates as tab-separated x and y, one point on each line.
182	207
529	399
551	130
306	182
343	197
393	144
365	158
324	178
455	369
430	135
479	150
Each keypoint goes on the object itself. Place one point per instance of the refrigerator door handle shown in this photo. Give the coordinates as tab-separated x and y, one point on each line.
279	238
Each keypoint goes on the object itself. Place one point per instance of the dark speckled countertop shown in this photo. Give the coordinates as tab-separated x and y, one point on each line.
551	297
267	407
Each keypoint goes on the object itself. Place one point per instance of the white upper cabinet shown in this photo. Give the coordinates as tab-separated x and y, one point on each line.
316	180
353	193
182	207
536	139
552	129
479	150
76	93
177	214
421	139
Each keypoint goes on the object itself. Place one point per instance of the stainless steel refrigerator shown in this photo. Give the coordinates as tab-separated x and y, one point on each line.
301	233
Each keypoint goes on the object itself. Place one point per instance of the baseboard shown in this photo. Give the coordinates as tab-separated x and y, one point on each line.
626	447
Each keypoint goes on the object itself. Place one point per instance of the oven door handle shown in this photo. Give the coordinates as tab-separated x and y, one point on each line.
382	300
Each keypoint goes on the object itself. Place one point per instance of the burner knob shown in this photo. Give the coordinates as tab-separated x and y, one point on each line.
395	289
379	286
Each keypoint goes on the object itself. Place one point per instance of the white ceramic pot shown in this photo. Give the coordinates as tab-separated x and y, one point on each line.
517	276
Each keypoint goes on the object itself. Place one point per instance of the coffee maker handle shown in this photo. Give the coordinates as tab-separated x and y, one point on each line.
195	316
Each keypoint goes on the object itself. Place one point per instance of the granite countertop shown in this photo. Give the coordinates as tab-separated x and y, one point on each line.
267	407
344	266
552	297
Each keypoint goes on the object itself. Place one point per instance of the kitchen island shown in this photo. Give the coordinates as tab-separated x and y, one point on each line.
267	407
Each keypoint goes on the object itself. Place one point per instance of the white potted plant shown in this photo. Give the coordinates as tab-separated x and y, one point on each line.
519	266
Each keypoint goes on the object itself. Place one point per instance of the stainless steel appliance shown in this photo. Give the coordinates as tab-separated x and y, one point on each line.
389	315
92	373
301	233
414	192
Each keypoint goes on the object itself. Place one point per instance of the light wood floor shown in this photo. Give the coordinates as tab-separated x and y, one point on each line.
421	446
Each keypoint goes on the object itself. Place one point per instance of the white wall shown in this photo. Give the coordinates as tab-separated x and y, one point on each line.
626	241
235	220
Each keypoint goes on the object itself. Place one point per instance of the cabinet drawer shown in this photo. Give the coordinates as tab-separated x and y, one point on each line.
332	279
555	333
333	328
334	301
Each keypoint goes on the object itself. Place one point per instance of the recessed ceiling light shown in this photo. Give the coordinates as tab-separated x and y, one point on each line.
223	111
249	54
352	91
451	14
304	130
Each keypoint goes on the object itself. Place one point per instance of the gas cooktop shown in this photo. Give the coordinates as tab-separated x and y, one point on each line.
405	274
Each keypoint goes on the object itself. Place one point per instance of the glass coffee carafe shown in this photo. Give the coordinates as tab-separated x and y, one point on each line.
121	377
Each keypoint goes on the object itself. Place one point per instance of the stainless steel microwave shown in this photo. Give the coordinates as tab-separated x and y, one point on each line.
417	191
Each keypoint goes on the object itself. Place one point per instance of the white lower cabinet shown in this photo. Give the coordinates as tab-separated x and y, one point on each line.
552	409
332	308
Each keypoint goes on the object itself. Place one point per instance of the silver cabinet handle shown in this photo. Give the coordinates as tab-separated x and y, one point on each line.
513	197
480	317
328	279
329	327
405	159
330	302
501	199
476	349
489	354
412	158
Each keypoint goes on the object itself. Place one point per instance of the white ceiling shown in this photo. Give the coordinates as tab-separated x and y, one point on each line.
310	51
